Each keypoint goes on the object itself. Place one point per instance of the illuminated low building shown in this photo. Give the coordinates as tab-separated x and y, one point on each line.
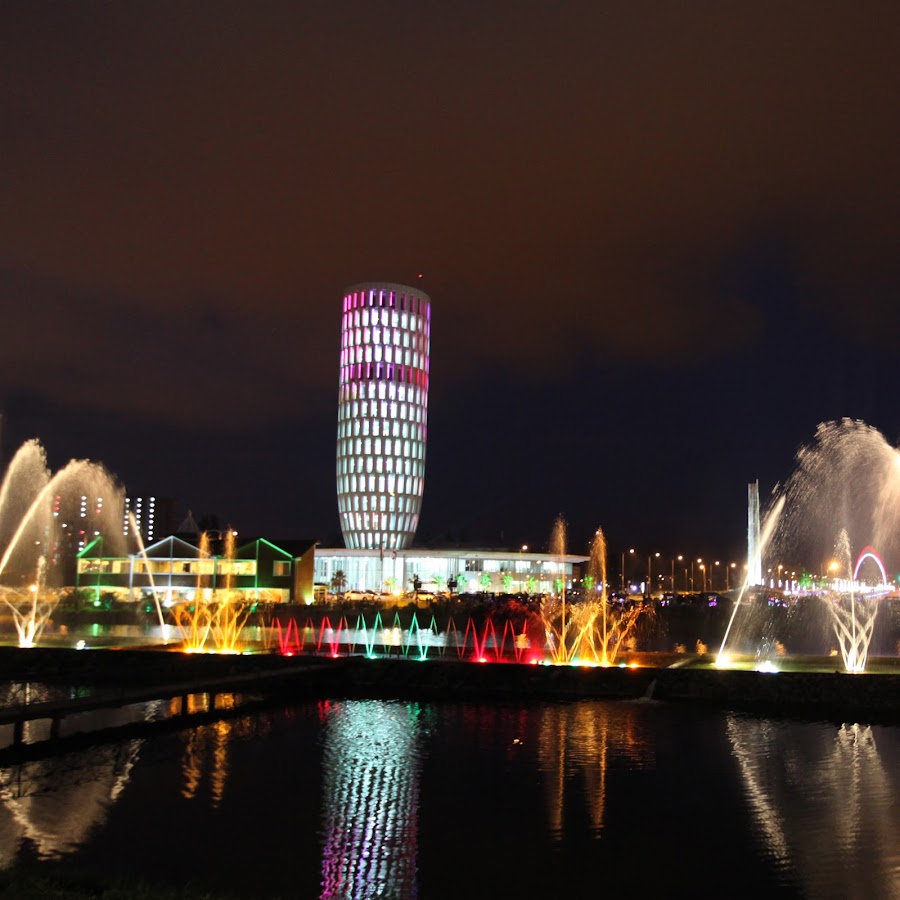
174	569
461	571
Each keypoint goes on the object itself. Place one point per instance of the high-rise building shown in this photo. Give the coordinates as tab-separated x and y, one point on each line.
382	414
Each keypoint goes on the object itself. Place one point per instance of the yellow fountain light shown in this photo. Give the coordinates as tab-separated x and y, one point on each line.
724	661
767	666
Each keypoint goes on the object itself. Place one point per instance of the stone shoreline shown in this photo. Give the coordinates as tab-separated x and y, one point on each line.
831	695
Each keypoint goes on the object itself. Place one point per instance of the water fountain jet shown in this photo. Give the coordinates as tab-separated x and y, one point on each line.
30	501
846	481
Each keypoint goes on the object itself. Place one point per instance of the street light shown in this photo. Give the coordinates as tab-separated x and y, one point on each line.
703	573
679	558
650	573
623	568
699	563
731	566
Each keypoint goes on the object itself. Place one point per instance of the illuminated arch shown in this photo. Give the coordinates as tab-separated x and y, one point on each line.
870	553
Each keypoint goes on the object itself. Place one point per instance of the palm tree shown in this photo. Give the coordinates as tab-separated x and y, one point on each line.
339	581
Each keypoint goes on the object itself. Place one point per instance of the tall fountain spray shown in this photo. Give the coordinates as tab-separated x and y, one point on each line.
34	505
597	574
221	616
553	610
592	630
607	624
230	612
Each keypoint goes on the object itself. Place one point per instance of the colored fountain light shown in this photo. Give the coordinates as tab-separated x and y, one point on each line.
592	630
215	615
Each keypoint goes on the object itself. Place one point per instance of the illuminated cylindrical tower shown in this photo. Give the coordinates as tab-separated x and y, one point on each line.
382	414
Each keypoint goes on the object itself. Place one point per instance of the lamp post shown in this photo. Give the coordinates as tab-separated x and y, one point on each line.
631	551
703	574
650	572
730	566
712	585
699	563
679	558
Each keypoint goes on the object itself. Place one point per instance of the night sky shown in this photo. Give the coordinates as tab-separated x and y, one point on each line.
661	242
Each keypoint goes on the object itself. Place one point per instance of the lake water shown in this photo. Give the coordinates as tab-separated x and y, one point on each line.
365	799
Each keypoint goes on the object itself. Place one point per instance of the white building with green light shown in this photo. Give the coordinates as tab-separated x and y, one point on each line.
175	570
473	571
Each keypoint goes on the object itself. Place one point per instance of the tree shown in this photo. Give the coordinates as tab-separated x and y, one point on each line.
506	580
339	581
485	582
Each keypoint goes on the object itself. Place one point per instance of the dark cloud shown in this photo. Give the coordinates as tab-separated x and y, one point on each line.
201	362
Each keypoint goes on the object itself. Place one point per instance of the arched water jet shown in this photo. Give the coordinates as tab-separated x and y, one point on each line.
771	523
852	618
142	550
25	476
31	614
75	471
30	501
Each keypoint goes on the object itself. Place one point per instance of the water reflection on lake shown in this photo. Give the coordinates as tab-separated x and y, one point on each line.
364	799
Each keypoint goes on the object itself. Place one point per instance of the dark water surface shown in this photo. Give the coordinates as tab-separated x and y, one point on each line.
360	799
